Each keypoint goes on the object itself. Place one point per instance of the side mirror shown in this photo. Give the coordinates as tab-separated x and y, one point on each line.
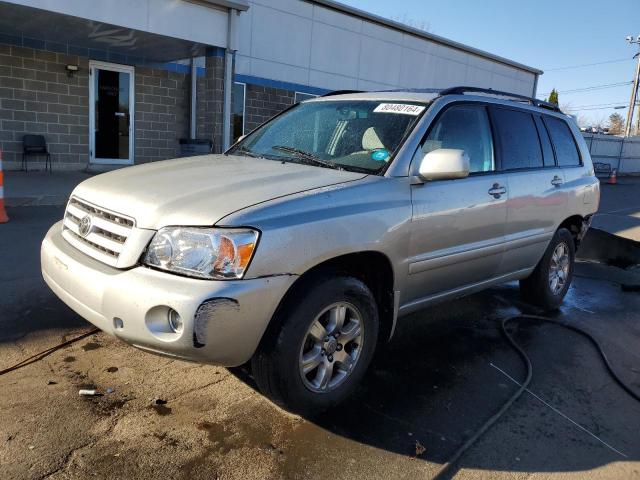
444	164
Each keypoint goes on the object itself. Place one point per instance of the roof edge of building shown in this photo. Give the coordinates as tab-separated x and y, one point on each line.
240	5
341	7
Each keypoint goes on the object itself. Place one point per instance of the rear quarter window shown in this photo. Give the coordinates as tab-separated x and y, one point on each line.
563	142
518	139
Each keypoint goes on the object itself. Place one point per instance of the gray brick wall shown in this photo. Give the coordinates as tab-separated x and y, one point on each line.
210	101
162	113
37	96
262	103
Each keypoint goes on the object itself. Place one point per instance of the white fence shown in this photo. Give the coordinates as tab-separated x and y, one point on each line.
619	152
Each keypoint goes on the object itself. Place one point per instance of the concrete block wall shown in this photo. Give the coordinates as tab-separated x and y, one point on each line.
38	97
162	108
262	103
210	101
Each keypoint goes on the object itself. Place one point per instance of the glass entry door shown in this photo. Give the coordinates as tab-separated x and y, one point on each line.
111	104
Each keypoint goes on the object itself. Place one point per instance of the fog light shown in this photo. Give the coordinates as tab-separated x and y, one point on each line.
118	324
175	322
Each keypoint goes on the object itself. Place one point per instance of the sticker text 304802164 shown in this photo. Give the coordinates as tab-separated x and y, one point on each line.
401	108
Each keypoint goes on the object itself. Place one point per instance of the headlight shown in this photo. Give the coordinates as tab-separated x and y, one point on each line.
212	253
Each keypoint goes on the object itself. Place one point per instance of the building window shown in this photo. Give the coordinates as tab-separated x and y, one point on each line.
237	112
301	97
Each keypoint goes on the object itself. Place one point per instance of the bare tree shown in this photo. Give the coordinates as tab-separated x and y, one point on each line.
581	120
600	121
616	124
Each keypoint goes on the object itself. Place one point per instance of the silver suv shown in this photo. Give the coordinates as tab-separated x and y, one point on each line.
301	247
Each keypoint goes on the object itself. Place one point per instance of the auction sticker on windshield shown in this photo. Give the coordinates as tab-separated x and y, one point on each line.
402	108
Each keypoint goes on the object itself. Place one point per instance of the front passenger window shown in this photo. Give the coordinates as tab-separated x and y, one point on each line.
464	127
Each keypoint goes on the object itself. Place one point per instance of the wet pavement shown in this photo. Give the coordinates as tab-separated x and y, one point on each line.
446	371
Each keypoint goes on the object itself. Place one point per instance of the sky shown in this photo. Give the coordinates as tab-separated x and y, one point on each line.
547	34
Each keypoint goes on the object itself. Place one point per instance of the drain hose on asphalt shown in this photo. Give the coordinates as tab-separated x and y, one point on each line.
453	459
45	353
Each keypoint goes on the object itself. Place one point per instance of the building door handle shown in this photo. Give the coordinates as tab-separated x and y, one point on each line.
556	181
497	190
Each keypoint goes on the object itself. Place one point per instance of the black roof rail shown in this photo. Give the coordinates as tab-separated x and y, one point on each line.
533	101
341	92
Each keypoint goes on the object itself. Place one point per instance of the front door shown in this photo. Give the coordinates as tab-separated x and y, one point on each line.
458	226
111	108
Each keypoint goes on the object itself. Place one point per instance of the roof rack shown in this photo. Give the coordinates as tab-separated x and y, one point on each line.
341	92
533	101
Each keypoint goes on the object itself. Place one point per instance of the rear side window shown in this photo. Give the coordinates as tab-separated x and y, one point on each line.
518	139
464	127
545	141
563	142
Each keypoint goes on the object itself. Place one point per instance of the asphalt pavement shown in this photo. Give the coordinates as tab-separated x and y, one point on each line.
446	371
40	188
619	211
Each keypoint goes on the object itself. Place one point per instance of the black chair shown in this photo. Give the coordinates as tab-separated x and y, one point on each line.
35	145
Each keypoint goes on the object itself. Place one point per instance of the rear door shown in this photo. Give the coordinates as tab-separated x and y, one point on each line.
580	185
457	228
537	198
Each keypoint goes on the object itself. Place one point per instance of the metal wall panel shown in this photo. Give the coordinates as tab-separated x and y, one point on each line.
308	44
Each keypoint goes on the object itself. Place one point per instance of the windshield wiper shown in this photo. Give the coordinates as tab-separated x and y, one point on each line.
310	157
246	151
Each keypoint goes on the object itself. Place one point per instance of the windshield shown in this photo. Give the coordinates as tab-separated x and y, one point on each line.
352	135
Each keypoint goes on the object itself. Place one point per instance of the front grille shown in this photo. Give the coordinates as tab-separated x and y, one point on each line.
105	239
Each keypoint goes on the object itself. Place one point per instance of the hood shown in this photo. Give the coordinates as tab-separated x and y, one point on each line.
201	190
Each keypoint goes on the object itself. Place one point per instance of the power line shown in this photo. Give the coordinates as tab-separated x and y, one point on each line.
606	62
593	87
605	104
611	107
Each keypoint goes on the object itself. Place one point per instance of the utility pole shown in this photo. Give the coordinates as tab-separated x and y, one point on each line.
634	91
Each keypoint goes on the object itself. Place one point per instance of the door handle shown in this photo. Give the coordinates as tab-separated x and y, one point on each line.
556	181
497	190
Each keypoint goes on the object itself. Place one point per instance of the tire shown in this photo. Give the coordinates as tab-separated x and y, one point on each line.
277	365
538	288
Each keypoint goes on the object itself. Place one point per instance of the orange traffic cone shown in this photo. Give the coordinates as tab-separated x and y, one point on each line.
3	213
613	177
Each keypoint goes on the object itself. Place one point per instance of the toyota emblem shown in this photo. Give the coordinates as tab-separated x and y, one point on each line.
84	228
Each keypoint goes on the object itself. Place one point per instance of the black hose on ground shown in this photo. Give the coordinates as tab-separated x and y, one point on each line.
453	459
45	353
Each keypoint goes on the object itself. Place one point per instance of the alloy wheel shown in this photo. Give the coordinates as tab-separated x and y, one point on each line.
331	347
559	268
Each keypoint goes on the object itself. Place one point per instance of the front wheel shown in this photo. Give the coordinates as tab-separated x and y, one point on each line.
326	338
547	286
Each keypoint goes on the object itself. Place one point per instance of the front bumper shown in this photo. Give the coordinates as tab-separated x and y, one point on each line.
223	320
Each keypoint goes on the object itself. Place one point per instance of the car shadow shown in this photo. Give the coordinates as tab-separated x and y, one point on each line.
436	383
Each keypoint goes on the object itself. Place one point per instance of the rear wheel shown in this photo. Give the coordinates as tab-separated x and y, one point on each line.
547	286
324	344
